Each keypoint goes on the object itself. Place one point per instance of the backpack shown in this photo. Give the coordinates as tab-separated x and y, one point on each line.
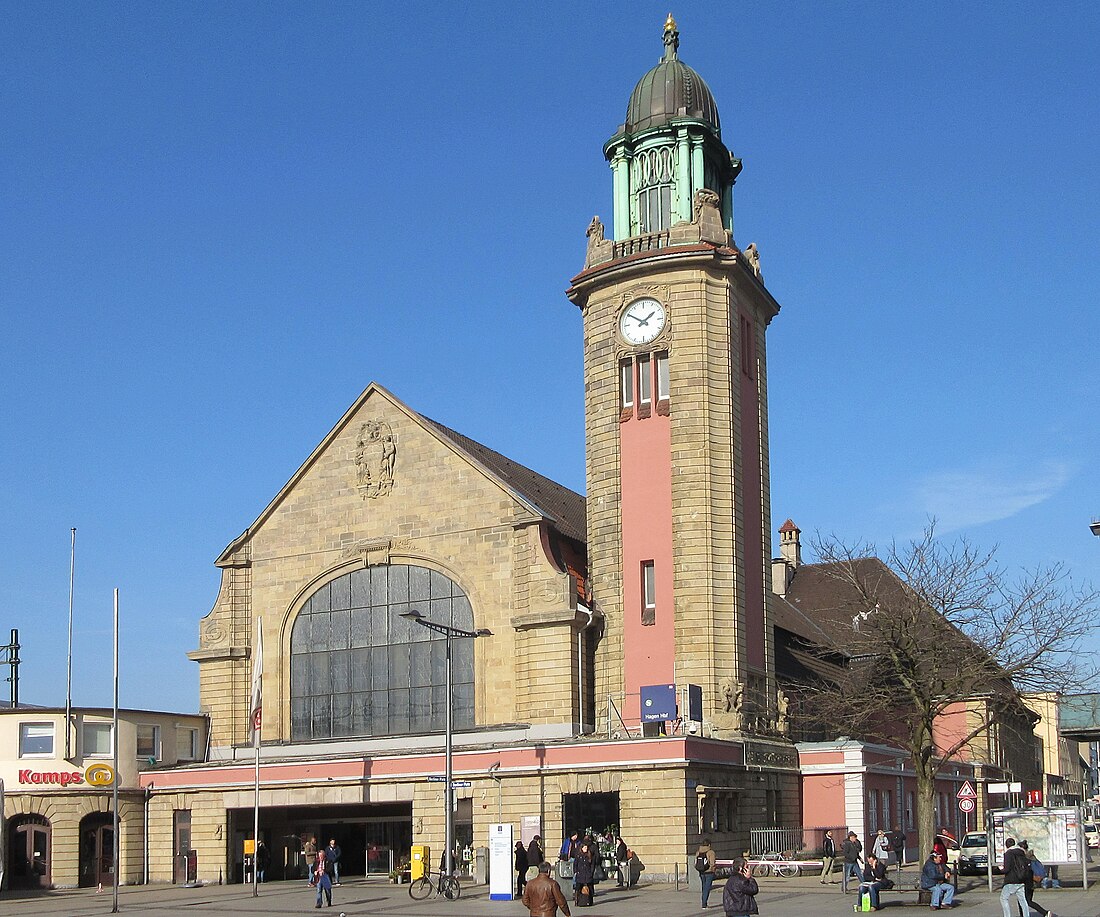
1038	870
702	864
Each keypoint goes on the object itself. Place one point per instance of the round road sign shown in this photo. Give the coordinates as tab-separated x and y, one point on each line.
966	805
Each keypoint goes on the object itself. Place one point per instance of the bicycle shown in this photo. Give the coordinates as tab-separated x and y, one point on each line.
773	862
444	885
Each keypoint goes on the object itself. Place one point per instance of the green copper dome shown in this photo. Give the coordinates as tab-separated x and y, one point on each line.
670	90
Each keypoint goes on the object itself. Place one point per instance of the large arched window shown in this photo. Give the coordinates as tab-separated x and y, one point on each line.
357	668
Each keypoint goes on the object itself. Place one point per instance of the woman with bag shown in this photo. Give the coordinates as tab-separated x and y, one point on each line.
583	876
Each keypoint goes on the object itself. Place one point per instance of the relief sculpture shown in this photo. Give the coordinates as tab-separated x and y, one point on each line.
375	458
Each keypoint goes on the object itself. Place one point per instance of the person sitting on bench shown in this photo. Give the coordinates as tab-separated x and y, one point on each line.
874	878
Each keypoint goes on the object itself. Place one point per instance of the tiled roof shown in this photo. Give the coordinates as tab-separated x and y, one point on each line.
789	526
824	604
563	507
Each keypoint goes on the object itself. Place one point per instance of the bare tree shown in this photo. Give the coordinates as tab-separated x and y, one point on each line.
939	628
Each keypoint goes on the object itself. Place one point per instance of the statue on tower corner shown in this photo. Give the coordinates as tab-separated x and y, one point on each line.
752	256
599	248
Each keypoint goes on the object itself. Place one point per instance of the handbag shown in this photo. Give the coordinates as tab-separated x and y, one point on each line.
598	874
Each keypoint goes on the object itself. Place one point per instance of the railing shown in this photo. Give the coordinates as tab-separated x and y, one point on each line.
635	244
771	840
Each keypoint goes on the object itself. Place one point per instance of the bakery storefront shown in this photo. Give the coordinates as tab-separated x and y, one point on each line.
58	789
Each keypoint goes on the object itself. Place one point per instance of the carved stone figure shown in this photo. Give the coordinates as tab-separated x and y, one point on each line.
375	458
783	705
734	694
752	255
704	197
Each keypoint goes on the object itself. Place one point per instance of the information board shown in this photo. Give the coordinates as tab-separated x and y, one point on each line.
1054	835
501	873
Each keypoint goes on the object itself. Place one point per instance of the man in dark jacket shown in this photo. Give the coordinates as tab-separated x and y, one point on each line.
897	841
934	878
534	851
1017	871
828	857
332	855
739	895
852	851
542	897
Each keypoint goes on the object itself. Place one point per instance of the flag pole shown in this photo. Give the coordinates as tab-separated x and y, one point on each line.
114	783
69	668
256	717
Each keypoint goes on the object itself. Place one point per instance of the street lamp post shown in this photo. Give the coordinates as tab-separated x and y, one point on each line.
449	634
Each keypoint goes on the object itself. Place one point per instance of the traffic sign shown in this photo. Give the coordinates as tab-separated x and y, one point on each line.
966	804
966	791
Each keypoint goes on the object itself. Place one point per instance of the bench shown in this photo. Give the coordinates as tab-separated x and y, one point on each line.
906	882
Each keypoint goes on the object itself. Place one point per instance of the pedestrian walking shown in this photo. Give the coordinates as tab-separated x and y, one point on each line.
852	852
332	857
309	849
322	873
739	895
1038	873
828	858
542	896
1017	874
704	865
520	867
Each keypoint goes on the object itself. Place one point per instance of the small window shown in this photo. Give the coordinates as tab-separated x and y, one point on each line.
35	740
662	377
626	383
649	593
645	380
187	744
747	347
97	740
148	741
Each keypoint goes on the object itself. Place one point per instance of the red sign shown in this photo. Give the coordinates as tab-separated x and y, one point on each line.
1034	797
966	791
62	778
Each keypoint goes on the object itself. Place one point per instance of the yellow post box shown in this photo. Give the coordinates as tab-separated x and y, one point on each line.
421	861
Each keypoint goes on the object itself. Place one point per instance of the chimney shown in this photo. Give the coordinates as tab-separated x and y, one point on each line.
790	548
781	575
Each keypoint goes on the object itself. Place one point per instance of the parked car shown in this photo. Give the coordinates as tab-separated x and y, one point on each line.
974	853
1092	834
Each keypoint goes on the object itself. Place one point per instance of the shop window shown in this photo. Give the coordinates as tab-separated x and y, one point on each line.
36	740
148	741
358	668
649	593
96	740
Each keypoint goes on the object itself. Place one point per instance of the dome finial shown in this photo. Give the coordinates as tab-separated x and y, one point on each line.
671	38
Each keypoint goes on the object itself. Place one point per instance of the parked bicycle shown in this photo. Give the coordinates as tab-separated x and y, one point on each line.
441	884
777	863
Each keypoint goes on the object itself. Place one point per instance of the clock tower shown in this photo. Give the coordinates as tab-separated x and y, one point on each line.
675	316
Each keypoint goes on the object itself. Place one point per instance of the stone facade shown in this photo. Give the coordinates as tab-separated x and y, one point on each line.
705	291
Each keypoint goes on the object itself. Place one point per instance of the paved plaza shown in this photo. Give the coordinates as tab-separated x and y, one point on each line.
798	897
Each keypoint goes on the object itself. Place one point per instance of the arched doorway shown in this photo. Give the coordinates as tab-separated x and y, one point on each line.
97	850
29	852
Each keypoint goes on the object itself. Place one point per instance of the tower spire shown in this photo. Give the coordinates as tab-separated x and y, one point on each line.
671	39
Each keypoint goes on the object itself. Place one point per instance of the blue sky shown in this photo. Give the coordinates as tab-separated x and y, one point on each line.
221	221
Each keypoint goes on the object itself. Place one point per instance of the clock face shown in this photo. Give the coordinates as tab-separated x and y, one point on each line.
643	320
